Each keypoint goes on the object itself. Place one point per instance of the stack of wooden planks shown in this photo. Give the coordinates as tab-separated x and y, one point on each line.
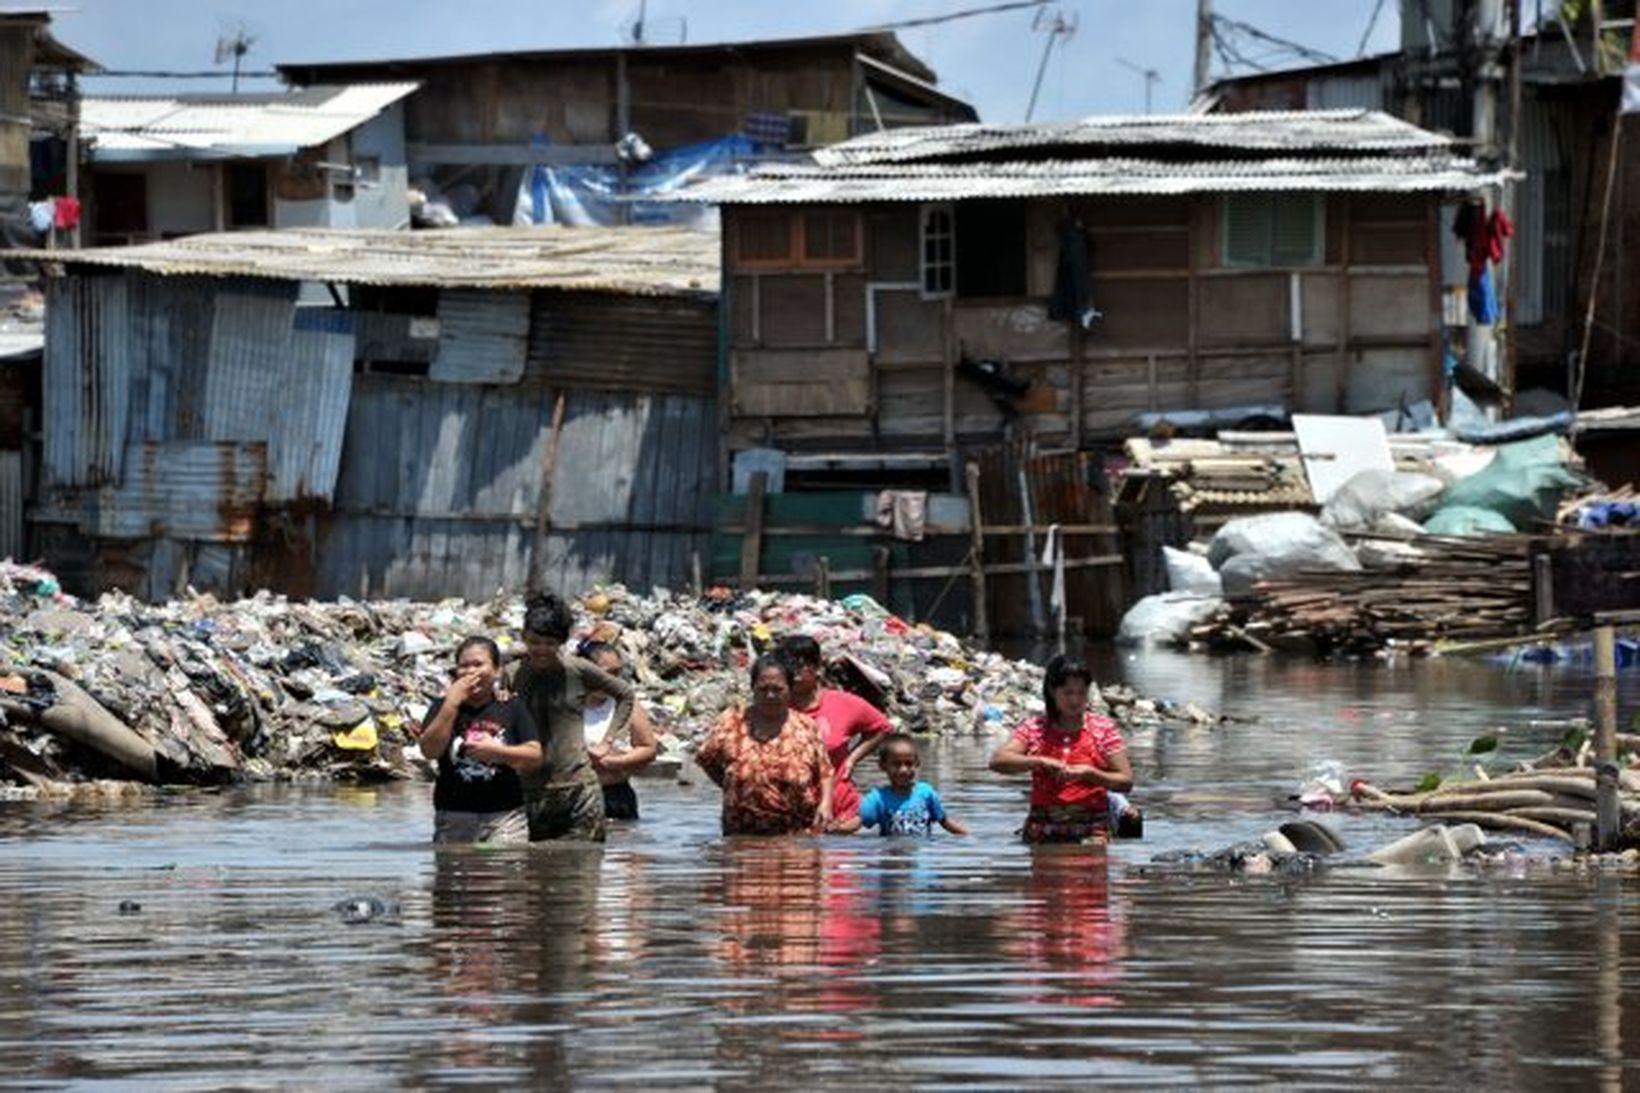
1452	588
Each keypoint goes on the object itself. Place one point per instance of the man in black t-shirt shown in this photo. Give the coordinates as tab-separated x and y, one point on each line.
482	742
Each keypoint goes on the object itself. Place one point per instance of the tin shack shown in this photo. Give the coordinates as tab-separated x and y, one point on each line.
467	412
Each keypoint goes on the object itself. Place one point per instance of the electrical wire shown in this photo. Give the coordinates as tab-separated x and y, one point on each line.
952	16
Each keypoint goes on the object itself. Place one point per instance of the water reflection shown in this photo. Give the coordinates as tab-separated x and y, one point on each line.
1064	932
673	956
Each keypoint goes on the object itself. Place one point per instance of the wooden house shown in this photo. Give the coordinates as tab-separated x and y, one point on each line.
1030	288
479	120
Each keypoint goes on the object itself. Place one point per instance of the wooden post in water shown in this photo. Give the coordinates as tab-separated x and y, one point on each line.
1608	814
751	542
976	557
822	578
543	502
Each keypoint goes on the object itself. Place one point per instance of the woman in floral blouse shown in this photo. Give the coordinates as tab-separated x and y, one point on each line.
769	760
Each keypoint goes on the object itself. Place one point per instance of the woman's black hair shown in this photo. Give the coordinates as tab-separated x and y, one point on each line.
479	641
588	649
799	649
767	661
547	616
1061	669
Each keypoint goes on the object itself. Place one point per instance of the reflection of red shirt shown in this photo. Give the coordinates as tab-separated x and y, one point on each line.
1090	746
842	717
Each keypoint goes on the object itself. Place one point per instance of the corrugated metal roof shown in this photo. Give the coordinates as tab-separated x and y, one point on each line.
639	261
881	43
1335	131
131	128
788	184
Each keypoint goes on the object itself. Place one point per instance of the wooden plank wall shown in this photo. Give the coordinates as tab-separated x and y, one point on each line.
1179	330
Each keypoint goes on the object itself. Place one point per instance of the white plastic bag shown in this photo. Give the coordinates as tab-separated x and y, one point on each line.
1187	572
1165	618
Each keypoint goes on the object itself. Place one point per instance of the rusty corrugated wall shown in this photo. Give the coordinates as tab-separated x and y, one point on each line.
184	490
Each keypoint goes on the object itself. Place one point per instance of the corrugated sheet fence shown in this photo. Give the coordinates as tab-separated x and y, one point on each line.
449	506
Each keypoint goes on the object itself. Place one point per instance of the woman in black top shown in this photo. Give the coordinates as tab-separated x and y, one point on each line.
483	742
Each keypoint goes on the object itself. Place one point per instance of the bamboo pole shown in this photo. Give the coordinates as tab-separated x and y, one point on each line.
976	557
1608	813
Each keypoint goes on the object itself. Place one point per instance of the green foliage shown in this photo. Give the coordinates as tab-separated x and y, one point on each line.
1429	783
1482	745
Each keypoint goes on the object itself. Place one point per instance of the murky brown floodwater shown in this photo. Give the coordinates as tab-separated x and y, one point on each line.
675	957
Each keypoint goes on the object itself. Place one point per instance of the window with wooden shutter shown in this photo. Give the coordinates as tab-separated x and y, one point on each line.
763	238
1272	230
831	237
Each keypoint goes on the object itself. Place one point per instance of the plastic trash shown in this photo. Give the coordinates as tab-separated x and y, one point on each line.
1289	542
1373	494
1189	572
1467	520
1165	618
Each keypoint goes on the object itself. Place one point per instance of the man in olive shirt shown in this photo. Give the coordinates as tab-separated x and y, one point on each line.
563	798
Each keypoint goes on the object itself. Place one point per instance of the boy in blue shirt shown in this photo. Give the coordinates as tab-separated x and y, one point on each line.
905	806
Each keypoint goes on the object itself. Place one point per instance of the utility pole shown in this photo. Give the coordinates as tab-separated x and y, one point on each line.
1204	44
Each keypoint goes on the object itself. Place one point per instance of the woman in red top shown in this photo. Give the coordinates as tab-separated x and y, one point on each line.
851	727
1075	759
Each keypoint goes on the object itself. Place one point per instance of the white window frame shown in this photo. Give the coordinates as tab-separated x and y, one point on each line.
931	271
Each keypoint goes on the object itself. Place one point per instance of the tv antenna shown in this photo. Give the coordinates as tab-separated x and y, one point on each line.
1150	76
236	47
1059	29
642	30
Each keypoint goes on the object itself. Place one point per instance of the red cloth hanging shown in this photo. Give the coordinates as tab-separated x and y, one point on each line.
66	213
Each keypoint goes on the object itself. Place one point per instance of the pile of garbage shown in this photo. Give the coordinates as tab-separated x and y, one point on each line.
198	691
1395	556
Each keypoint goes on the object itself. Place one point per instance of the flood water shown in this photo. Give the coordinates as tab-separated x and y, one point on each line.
675	957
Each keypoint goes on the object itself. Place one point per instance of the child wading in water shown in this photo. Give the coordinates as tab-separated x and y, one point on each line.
905	806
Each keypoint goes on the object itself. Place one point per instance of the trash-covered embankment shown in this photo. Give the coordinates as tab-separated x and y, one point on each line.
203	692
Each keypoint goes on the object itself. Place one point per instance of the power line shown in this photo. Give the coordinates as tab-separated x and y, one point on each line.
951	16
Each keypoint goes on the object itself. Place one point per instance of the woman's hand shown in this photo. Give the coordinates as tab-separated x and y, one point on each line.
1050	765
461	689
485	749
822	818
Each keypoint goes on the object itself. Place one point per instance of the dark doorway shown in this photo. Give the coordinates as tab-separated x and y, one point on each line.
990	249
121	207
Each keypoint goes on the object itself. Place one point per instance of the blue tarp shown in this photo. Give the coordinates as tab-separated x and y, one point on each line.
592	196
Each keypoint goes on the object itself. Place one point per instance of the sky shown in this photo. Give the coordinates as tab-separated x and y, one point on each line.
991	60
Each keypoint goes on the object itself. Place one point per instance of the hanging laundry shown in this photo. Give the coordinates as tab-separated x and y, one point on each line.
1072	299
1483	235
1483	297
67	213
41	215
903	511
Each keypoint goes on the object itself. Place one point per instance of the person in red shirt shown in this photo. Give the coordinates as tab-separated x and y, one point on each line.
1075	758
851	727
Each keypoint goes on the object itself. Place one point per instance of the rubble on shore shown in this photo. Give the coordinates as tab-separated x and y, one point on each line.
100	695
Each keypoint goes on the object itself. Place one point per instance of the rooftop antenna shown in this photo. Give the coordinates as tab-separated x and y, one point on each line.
643	31
1150	75
236	47
1059	29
